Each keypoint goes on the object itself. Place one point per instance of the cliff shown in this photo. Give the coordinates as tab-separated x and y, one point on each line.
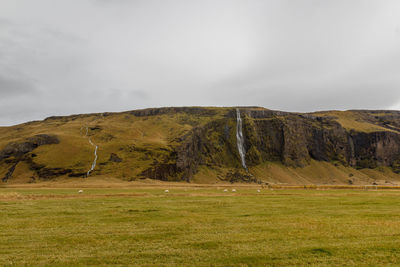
199	144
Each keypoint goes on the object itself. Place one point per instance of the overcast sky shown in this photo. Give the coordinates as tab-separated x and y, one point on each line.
60	57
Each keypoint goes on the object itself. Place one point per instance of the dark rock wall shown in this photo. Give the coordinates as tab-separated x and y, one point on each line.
14	153
19	149
295	139
211	145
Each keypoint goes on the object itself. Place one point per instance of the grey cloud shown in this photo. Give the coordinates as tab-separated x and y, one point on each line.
374	96
141	94
96	55
5	22
13	87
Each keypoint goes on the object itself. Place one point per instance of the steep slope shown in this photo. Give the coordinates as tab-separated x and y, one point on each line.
199	144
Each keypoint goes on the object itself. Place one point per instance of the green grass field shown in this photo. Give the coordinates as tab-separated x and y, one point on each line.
199	226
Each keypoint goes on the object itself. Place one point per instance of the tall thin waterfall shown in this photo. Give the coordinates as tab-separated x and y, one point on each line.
239	138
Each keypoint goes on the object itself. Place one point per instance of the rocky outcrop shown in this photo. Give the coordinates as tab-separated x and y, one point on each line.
212	145
374	149
173	110
235	176
114	158
9	172
161	171
17	150
190	153
14	152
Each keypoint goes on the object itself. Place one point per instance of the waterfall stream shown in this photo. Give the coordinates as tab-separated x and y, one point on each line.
95	152
95	157
239	138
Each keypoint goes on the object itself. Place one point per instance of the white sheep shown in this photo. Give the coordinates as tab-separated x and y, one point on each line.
166	191
225	190
233	190
80	191
258	190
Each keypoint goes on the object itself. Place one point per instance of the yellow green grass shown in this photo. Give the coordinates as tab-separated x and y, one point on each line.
122	133
317	173
322	172
198	226
351	120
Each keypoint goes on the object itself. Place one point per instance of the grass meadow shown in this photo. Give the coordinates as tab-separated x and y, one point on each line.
198	227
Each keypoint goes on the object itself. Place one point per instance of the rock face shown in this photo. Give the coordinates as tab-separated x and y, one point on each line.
114	158
16	152
19	149
9	173
296	139
173	110
213	144
161	171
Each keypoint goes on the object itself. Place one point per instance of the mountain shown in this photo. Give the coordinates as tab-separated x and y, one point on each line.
199	144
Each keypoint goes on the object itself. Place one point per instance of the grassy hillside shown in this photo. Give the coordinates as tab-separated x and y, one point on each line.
358	121
138	141
150	144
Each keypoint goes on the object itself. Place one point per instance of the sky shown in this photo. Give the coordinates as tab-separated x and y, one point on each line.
61	57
